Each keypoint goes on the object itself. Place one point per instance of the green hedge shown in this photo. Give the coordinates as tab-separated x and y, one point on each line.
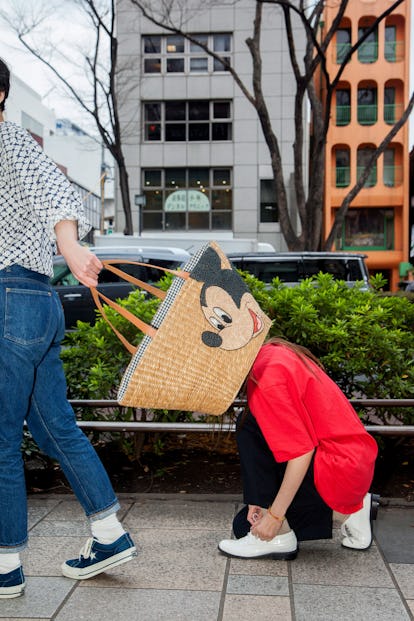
364	339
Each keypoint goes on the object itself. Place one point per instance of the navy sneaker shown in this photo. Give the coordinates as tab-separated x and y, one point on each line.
12	584
96	557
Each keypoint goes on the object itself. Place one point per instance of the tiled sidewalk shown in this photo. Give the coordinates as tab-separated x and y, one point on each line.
180	576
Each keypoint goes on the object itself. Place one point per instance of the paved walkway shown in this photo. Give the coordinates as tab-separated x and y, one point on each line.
180	576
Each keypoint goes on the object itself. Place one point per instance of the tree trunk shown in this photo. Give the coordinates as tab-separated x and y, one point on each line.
126	201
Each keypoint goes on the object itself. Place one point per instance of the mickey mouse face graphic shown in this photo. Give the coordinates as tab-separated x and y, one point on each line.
228	306
234	325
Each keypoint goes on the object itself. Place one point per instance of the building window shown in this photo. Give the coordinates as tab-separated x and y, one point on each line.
363	157
193	121
343	44
392	169
342	168
187	199
390	47
368	50
367	106
368	228
175	54
268	204
343	106
389	105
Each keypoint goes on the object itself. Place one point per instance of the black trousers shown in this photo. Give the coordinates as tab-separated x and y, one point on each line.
308	515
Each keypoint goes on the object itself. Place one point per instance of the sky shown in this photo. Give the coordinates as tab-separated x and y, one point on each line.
32	71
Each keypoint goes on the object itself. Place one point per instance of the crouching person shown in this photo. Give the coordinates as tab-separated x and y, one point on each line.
305	458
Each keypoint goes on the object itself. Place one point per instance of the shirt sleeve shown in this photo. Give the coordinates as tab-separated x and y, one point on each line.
49	191
283	420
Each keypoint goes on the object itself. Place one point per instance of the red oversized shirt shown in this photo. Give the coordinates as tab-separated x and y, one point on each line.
299	408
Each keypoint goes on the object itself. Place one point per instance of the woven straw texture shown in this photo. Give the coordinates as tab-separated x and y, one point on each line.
177	371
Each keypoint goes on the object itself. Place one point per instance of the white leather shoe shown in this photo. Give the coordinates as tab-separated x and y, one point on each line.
280	547
357	528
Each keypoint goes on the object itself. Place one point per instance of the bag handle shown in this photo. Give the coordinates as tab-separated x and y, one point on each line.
136	321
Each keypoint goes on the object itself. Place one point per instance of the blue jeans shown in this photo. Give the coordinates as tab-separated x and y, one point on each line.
33	388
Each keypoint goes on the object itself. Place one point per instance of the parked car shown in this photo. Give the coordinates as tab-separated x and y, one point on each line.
292	267
77	300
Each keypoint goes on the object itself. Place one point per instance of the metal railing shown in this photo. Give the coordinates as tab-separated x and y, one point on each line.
219	426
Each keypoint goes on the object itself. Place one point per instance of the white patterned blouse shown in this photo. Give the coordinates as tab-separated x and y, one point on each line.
34	196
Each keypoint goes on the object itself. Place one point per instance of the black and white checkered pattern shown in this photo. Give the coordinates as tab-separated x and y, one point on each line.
34	196
158	318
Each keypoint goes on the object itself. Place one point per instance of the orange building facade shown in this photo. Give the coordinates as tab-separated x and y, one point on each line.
369	99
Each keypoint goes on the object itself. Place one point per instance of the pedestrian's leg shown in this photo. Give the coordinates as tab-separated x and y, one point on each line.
24	323
52	423
308	515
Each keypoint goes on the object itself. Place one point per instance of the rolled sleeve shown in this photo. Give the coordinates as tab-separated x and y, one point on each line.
50	193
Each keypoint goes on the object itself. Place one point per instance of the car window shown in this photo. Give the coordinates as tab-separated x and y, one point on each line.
266	271
338	268
356	271
63	277
154	275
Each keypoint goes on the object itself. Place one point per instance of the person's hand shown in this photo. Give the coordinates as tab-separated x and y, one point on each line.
266	527
84	265
254	514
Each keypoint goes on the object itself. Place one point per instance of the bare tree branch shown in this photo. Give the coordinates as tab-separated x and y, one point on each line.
101	103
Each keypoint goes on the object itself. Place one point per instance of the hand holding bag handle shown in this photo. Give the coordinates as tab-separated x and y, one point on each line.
136	321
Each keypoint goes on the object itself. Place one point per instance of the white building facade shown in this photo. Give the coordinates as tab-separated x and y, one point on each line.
77	154
198	163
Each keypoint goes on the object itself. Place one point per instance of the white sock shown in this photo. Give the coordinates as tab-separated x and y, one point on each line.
9	561
108	529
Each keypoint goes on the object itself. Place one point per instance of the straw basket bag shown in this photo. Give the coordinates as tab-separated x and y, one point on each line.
201	343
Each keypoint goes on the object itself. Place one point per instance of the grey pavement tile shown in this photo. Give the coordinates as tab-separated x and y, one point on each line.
256	608
91	604
404	575
325	603
410	603
44	555
38	508
42	598
181	514
258	567
22	618
62	528
171	558
257	585
69	509
394	531
335	540
325	564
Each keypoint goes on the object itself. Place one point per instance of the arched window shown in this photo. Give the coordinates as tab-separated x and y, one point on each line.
367	105
363	156
368	50
343	106
343	43
342	167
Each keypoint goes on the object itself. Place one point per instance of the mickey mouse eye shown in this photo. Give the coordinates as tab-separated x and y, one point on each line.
222	315
216	323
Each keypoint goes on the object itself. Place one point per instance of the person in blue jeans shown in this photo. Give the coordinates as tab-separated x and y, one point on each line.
40	214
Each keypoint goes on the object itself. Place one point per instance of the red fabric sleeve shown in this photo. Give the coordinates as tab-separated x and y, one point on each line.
283	420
